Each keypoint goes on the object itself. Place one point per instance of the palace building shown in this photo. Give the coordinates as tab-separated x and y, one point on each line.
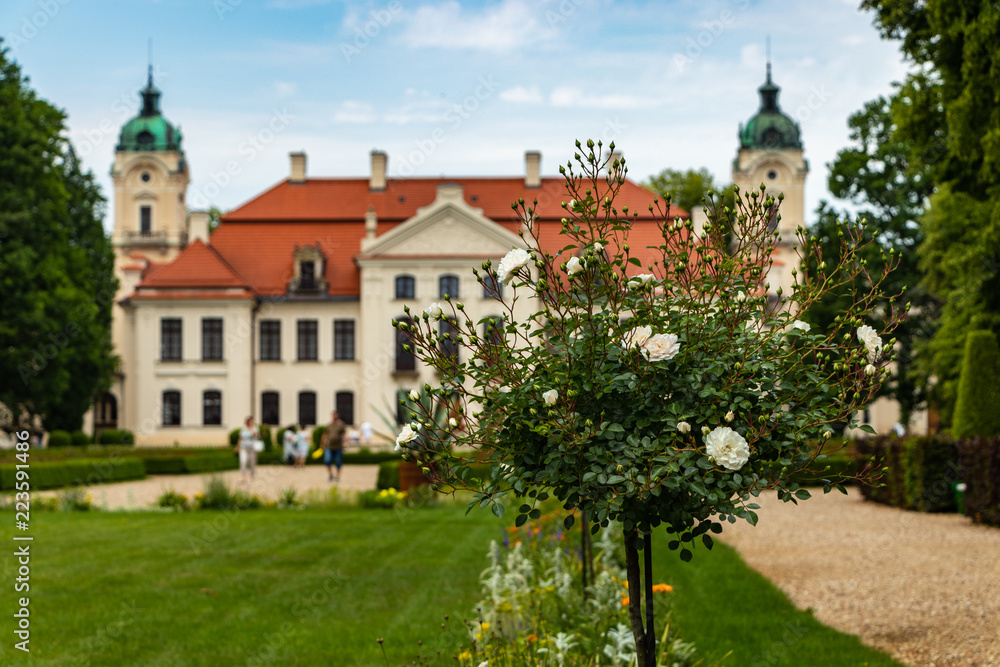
284	311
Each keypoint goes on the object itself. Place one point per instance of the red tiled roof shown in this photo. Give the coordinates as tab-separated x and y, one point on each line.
197	266
348	199
152	295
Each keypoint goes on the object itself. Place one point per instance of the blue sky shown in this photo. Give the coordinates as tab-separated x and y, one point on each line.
447	88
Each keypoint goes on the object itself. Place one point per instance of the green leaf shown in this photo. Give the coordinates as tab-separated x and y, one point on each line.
803	494
614	479
568	521
524	509
708	541
520	520
686	555
535	513
498	510
867	429
635	261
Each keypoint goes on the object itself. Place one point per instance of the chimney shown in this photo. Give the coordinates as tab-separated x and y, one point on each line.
533	169
371	223
379	162
616	171
198	227
298	168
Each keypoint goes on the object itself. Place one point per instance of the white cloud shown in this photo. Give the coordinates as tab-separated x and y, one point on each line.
354	112
504	27
521	95
565	96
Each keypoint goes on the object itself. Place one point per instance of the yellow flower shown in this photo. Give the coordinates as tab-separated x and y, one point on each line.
465	655
662	588
484	625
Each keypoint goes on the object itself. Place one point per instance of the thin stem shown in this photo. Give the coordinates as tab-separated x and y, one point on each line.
650	633
635	596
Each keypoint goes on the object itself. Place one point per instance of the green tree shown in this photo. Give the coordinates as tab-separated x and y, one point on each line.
57	282
977	410
686	189
874	174
214	218
946	112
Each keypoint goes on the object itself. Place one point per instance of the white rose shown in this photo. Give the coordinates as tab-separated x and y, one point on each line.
452	422
799	324
405	436
434	311
730	416
637	337
872	342
414	395
550	397
514	260
574	265
683	427
640	280
660	347
870	370
727	448
505	389
572	204
705	430
741	296
598	247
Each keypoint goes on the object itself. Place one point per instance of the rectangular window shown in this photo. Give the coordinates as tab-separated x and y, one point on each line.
307	408
211	339
270	412
343	340
448	286
171	408
405	360
145	220
344	402
270	340
308	278
405	287
211	408
308	333
171	346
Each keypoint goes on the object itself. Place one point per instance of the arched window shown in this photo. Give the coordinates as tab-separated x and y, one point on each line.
211	407
344	403
307	408
405	287
171	408
270	410
405	359
448	286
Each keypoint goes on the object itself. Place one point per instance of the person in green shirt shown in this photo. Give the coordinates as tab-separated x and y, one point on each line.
333	445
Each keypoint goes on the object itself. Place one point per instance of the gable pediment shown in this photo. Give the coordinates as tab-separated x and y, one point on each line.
447	227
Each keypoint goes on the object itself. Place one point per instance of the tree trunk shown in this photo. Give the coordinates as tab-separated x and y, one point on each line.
584	537
648	575
635	596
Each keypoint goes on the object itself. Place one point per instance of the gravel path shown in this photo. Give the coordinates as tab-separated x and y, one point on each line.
267	484
924	587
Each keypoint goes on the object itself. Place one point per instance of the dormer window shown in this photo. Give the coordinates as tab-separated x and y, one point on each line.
309	269
308	278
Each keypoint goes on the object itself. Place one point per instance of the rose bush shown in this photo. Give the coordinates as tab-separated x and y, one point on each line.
681	391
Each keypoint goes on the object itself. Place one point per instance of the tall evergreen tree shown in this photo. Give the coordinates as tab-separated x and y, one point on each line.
57	281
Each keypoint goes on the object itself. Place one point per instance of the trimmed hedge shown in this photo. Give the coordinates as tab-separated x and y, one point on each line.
930	472
191	463
43	475
977	408
79	439
388	475
980	462
116	437
60	439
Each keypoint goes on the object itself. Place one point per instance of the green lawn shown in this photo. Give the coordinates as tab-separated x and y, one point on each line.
318	587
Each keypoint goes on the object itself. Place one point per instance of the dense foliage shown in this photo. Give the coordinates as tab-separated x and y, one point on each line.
977	411
57	282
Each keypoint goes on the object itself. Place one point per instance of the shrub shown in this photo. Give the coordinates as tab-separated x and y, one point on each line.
265	435
234	437
218	496
388	475
75	500
116	437
931	471
173	500
198	463
79	439
165	465
380	499
977	408
60	439
980	462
